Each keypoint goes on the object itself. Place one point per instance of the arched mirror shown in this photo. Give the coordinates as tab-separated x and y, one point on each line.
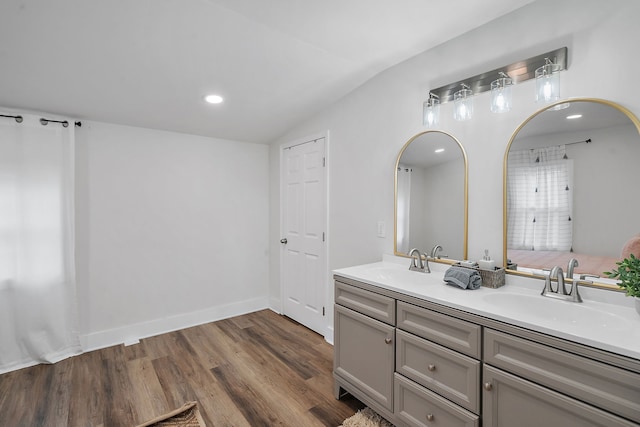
570	189
431	196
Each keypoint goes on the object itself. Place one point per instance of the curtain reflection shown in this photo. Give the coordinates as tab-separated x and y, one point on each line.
404	208
540	199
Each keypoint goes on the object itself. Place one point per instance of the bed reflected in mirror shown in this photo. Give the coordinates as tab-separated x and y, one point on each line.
569	191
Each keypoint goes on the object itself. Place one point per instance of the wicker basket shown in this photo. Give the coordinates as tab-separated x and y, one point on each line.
493	278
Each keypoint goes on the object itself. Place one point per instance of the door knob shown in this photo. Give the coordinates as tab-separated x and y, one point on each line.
387	340
283	240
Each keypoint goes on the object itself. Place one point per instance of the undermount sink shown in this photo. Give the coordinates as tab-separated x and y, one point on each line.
394	273
385	272
553	311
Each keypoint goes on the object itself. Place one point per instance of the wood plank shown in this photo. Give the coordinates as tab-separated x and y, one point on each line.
117	388
59	393
87	406
147	393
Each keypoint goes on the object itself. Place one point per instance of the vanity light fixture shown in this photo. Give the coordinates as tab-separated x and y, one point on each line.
548	82
431	111
463	103
501	93
544	68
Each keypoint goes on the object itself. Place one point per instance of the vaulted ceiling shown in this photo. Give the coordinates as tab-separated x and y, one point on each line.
149	63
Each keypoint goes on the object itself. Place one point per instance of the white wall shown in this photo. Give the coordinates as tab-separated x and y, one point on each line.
171	230
369	126
442	222
444	219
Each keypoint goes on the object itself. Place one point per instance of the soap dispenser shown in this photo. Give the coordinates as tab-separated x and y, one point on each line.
486	263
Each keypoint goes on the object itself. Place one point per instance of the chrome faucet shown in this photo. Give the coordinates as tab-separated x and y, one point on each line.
558	274
572	264
417	262
561	290
435	250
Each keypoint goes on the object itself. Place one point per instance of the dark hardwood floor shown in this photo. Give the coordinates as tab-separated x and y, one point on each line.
259	369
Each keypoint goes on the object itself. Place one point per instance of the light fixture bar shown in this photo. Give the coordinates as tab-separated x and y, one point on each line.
518	71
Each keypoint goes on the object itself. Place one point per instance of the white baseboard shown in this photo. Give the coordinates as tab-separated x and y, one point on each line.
328	336
131	333
275	304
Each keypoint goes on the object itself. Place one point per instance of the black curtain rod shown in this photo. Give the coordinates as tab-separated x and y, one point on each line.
43	121
586	141
64	123
18	119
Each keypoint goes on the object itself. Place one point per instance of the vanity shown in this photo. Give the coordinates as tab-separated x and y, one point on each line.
422	353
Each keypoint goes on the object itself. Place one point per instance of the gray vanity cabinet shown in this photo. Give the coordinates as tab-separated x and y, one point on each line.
421	364
364	346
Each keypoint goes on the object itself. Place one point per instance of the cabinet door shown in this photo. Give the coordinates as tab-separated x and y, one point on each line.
512	401
364	354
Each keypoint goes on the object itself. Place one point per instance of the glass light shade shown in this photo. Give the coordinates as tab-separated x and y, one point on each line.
431	113
213	99
463	104
548	83
501	95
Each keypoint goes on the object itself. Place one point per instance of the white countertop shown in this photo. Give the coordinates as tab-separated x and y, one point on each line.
605	320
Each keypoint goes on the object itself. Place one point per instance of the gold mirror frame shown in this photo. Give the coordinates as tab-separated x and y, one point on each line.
612	104
466	198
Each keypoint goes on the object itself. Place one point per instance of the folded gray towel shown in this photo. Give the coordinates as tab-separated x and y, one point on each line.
466	278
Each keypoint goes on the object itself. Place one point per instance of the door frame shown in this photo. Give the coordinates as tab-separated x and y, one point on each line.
327	331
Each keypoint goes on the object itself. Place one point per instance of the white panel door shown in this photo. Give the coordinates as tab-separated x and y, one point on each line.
304	210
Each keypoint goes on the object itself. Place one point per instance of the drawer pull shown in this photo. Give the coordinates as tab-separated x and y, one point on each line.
488	386
431	368
430	417
387	340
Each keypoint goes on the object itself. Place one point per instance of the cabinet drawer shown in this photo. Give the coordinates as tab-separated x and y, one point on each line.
450	374
416	406
599	384
512	401
454	333
368	303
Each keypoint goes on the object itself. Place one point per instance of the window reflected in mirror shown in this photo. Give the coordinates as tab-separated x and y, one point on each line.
431	196
570	175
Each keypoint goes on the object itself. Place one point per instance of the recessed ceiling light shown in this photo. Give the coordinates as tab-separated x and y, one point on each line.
439	150
213	99
574	116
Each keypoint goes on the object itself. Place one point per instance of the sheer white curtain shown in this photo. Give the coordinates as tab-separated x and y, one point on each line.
403	208
540	199
38	314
